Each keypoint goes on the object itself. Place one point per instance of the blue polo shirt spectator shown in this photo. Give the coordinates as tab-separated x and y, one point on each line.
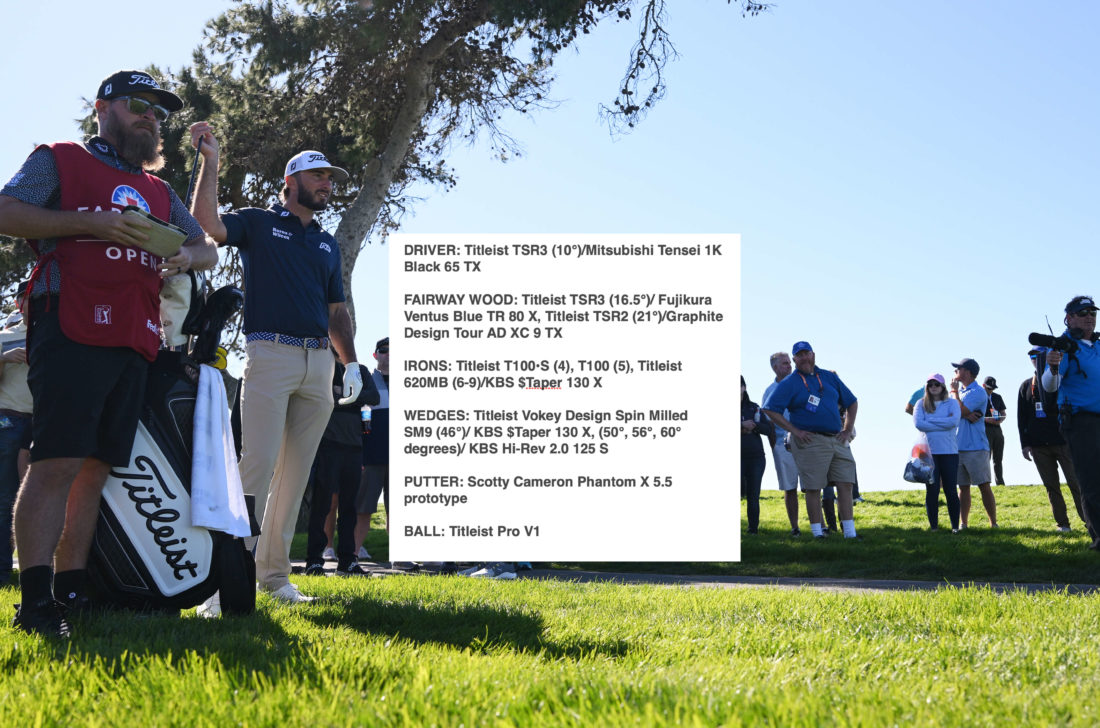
794	394
971	435
281	256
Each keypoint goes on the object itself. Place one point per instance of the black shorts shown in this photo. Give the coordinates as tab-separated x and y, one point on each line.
87	399
375	482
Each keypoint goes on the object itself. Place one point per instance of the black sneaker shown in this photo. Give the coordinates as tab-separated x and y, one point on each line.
46	617
77	608
795	532
353	569
315	570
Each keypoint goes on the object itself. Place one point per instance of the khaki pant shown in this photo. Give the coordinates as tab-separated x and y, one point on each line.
286	401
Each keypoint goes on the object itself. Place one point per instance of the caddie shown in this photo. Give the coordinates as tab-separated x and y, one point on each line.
94	326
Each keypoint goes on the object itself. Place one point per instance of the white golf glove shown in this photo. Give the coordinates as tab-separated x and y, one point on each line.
353	383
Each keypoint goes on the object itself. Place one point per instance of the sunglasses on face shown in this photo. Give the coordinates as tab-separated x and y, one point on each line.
934	384
138	105
1087	313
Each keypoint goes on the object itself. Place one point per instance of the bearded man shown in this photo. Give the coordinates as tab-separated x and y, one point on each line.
294	316
94	313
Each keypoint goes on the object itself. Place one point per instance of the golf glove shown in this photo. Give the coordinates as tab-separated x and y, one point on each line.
353	383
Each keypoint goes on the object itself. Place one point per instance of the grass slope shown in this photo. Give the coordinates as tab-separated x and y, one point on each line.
898	544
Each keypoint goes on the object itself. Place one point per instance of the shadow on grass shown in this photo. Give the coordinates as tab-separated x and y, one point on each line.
480	629
978	554
259	644
116	637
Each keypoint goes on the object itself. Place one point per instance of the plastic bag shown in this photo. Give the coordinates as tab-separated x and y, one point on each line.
918	471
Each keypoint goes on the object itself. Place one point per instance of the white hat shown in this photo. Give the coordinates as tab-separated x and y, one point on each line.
310	159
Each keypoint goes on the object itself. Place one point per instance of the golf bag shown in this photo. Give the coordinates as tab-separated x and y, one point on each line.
145	553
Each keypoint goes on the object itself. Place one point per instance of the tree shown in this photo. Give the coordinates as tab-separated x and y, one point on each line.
383	88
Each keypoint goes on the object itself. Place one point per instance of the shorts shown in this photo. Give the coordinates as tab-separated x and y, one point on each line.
785	469
823	460
87	399
374	483
974	467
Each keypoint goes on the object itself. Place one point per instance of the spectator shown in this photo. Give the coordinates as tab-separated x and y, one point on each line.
1078	385
1037	420
938	418
819	436
376	448
337	471
916	397
16	406
753	462
973	445
785	470
995	413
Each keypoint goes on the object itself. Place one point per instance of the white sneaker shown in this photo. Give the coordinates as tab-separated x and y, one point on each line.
329	554
1064	529
363	553
211	608
289	594
499	570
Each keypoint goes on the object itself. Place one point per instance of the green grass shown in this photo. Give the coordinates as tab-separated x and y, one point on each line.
898	545
448	651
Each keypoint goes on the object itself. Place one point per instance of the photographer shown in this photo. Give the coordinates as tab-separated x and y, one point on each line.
1073	370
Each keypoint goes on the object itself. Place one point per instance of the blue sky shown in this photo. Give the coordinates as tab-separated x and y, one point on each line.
913	182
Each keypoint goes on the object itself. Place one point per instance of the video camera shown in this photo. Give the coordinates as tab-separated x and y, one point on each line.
1057	343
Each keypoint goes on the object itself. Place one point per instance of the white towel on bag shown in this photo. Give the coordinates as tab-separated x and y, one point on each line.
217	498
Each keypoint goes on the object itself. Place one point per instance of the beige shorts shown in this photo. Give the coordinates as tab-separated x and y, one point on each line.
823	460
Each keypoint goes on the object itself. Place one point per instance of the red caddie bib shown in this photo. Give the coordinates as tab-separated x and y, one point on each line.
110	292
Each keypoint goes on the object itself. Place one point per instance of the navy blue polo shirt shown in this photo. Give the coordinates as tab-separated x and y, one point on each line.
291	273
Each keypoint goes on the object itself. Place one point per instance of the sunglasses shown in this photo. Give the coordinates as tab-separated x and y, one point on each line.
1087	313
138	105
934	383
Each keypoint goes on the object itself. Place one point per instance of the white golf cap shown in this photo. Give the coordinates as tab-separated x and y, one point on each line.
310	159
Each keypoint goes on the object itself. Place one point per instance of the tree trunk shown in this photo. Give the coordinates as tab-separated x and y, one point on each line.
356	223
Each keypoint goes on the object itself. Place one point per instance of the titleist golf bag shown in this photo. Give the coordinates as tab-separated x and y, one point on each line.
146	554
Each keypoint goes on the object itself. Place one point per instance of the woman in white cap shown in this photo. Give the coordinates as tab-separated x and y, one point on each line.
937	416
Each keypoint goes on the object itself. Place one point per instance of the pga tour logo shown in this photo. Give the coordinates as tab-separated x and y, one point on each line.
103	314
126	195
154	510
325	247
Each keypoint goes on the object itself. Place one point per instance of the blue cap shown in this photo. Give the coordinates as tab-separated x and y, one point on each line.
801	346
1038	350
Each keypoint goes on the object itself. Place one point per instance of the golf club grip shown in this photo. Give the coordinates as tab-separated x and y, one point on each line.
194	172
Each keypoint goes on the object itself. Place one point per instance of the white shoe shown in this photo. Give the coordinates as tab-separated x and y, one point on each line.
329	554
363	555
1064	529
211	608
289	594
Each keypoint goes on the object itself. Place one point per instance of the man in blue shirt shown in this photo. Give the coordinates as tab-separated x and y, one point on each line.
813	399
294	310
973	445
1076	378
